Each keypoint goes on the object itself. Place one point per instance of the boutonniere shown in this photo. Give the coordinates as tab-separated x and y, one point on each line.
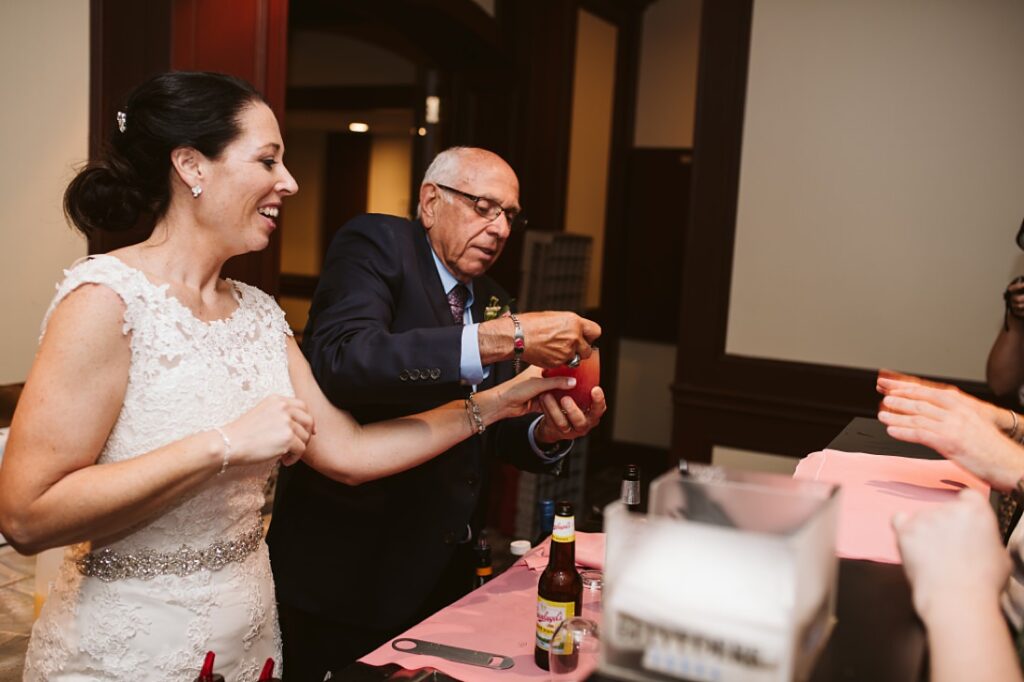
493	310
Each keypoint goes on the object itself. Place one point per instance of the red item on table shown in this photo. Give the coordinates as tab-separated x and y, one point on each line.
587	374
207	674
267	674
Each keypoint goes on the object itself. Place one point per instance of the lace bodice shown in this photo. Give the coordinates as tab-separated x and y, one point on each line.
186	376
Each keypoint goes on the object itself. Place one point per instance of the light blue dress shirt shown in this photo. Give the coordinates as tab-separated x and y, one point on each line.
471	370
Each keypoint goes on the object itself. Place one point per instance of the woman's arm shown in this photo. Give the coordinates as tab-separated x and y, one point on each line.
354	454
957	567
52	491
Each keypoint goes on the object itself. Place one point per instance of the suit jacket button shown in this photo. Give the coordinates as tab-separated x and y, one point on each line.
449	537
414	374
435	373
403	375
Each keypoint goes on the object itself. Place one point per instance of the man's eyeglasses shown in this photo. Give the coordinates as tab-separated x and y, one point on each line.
489	208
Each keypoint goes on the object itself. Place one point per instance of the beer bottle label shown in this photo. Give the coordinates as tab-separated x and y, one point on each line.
549	615
564	529
484	570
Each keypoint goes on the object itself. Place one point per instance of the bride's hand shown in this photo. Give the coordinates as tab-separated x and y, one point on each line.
278	427
516	396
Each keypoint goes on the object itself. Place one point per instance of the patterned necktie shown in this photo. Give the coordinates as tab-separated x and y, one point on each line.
457	302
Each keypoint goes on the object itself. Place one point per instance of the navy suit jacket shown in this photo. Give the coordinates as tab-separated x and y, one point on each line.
382	344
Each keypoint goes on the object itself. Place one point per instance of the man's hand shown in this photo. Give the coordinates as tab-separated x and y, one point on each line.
565	420
954	424
551	338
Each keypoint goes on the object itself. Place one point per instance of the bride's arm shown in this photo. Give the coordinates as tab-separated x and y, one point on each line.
353	454
52	491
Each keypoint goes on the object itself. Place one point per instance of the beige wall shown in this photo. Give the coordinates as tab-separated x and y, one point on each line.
590	140
390	175
881	183
44	45
667	83
300	235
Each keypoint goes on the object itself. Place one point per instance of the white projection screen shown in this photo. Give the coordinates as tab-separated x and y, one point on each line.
882	183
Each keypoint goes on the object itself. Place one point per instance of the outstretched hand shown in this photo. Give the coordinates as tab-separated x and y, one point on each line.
954	424
518	396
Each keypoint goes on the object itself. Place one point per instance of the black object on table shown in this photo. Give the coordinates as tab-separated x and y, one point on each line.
863	434
878	635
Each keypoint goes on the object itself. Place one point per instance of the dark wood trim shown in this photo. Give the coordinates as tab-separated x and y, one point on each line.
128	42
445	33
353	97
789	408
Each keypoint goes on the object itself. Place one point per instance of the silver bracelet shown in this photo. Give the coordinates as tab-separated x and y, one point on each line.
227	449
475	420
518	342
1013	429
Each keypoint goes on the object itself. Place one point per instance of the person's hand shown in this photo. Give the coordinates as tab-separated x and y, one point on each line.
551	338
954	424
891	382
277	427
517	396
952	553
564	420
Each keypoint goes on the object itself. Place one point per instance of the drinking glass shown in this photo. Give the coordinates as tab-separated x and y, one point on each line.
575	650
588	375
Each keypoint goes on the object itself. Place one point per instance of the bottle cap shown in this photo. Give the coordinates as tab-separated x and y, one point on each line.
519	547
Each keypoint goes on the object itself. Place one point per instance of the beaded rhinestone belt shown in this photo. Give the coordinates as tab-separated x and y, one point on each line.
109	565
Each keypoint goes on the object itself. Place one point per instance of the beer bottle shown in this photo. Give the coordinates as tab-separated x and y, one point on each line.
484	570
207	674
560	590
630	494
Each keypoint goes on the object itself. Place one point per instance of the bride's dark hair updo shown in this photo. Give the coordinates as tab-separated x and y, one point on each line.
176	109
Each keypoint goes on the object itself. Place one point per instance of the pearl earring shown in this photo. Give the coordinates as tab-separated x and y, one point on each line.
196	191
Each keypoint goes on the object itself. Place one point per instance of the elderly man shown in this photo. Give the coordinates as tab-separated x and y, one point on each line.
397	325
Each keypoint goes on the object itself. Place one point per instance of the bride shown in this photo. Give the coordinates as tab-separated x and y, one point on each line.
162	397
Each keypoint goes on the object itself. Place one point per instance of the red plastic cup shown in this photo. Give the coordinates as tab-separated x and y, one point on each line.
588	375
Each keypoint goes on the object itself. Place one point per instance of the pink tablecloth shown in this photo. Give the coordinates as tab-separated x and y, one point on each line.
498	618
874	488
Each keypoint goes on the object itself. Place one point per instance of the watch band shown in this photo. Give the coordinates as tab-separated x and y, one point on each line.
518	342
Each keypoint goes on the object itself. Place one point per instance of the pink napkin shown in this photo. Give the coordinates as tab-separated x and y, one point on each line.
874	488
589	552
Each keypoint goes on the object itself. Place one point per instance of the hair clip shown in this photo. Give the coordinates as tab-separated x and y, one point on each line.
122	121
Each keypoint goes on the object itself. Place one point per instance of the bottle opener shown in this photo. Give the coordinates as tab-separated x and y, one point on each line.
452	653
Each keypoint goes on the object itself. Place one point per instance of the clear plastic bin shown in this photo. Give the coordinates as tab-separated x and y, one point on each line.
731	575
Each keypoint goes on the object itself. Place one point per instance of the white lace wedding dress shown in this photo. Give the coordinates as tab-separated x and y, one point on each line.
197	577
